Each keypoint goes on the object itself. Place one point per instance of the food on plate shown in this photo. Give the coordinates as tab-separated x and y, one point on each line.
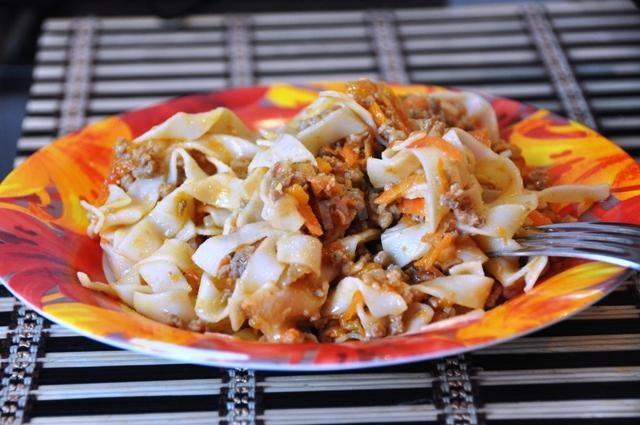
369	214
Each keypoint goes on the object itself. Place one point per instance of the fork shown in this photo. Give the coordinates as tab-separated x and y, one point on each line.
615	243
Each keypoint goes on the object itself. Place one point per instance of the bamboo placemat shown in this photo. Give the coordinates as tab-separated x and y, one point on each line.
580	59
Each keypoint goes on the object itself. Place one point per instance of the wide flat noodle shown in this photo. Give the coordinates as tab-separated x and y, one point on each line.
380	302
219	190
405	243
566	193
209	255
301	250
466	290
165	306
183	126
284	148
478	109
490	168
507	270
335	126
387	171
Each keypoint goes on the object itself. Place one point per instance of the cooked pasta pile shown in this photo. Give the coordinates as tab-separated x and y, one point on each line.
367	215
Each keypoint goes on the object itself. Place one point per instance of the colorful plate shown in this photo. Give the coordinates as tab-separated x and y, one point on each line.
43	242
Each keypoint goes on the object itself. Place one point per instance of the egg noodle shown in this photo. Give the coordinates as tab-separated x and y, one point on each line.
366	215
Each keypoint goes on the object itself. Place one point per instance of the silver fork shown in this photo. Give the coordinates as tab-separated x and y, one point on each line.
615	243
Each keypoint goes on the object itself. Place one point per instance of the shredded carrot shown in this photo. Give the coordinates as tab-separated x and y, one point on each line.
323	165
368	147
392	102
482	135
398	189
411	206
448	149
193	277
442	176
441	243
350	156
302	198
377	114
538	218
353	307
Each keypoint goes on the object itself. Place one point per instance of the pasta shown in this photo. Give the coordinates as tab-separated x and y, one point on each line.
367	215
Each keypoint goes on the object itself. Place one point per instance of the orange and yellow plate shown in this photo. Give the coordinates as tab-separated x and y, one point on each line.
43	241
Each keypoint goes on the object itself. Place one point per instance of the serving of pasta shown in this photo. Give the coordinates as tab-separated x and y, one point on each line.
368	214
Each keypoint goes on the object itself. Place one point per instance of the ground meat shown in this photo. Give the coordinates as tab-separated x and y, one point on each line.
418	274
536	178
285	174
512	151
380	214
394	274
383	258
336	255
421	106
355	176
339	194
233	266
459	201
126	181
239	260
434	115
494	295
203	162
374	276
196	325
391	134
432	126
455	115
302	124
134	161
174	320
396	327
239	166
442	310
146	167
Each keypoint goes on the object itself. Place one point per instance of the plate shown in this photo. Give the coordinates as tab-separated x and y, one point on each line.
43	241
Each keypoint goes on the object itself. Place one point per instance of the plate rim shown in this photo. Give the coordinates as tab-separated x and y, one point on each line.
613	282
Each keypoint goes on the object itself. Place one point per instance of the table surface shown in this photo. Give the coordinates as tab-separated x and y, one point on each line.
579	59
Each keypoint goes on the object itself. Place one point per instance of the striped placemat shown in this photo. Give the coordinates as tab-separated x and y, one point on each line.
580	59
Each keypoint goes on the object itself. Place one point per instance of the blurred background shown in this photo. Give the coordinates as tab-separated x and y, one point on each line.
21	21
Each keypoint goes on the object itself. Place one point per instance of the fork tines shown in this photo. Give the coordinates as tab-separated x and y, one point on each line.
616	243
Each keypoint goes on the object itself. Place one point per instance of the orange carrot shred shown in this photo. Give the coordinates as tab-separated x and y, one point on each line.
398	189
411	206
377	114
193	277
442	177
448	149
302	198
350	156
442	243
323	165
